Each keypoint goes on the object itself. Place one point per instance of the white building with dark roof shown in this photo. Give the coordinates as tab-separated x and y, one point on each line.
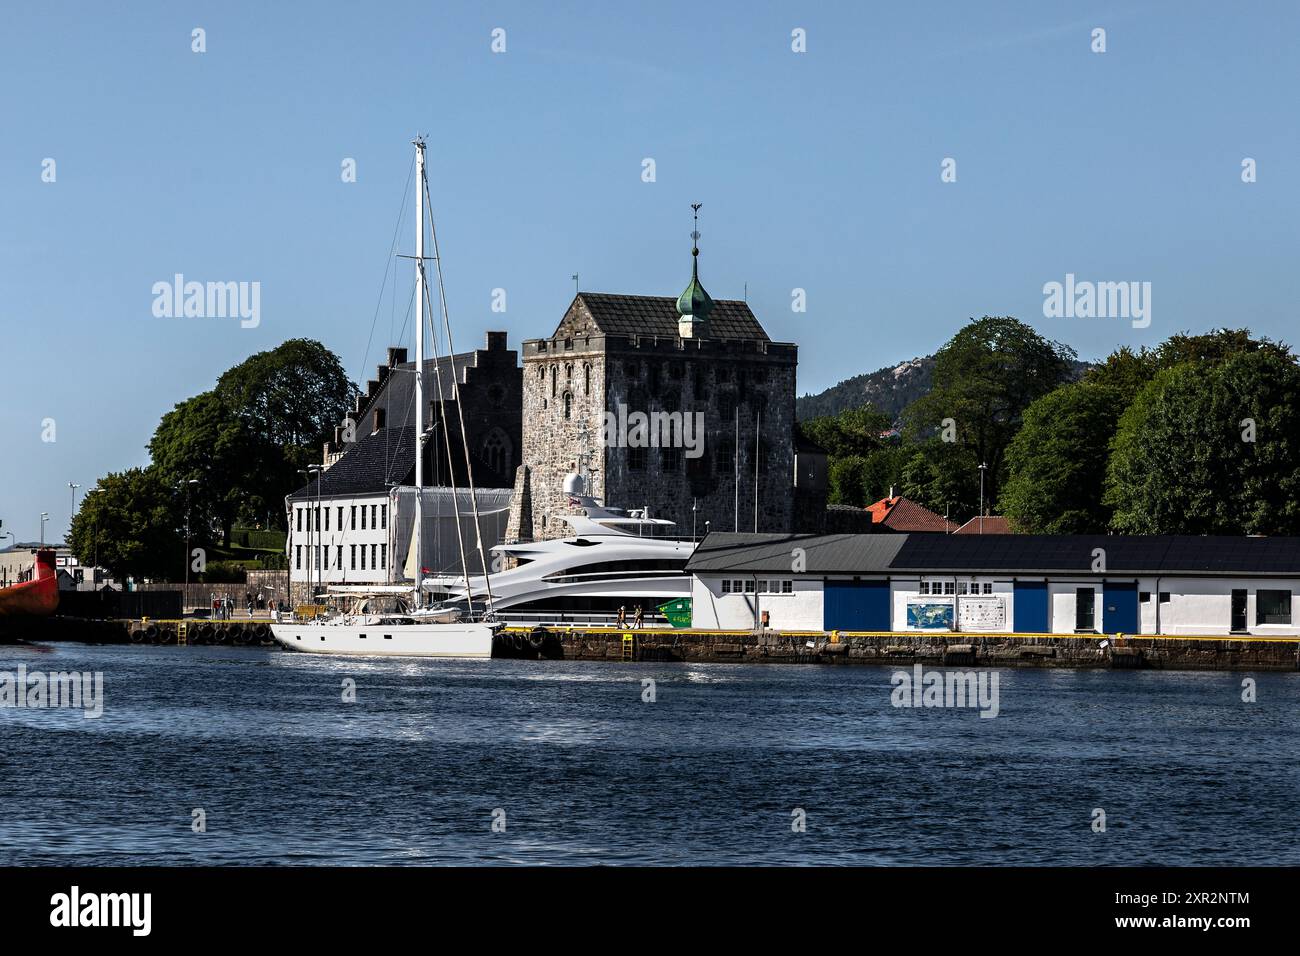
1028	584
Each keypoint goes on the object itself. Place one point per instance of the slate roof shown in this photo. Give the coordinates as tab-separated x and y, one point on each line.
821	553
1024	554
657	315
1124	554
370	465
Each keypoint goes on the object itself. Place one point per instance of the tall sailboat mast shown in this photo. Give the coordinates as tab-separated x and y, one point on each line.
419	371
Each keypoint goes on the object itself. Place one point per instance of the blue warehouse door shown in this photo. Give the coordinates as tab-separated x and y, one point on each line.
1119	607
856	606
1030	609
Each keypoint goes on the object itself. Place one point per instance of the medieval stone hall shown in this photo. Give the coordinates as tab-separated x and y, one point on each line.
683	406
707	363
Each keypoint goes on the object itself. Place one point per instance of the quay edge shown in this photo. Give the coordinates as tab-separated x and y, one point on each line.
697	646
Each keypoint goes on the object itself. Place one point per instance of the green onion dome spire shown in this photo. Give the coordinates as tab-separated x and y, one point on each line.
695	301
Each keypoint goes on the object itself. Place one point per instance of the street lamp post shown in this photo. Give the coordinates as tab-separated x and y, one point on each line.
45	516
72	486
983	468
186	486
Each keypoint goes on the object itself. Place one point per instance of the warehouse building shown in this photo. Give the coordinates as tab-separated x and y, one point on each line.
1029	584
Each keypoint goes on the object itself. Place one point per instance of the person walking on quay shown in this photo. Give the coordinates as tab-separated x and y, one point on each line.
622	616
639	618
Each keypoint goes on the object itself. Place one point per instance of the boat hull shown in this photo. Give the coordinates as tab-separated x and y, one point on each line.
38	597
460	640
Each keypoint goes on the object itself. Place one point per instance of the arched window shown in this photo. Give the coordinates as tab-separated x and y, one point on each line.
568	372
553	372
497	451
568	405
586	378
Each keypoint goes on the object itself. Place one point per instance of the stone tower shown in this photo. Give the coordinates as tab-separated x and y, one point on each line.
669	404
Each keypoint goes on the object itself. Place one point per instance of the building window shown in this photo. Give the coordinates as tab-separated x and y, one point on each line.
586	378
1144	597
299	510
363	557
1238	610
327	518
1272	607
374	513
568	405
949	587
374	549
925	587
383	517
962	587
749	587
338	558
297	556
553	377
1085	609
726	585
340	517
1164	597
316	517
988	587
496	451
383	556
724	462
787	587
354	517
354	556
363	517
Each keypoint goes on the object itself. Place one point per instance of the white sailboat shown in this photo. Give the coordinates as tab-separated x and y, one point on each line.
422	632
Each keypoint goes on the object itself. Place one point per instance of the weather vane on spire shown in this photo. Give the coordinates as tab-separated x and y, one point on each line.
695	233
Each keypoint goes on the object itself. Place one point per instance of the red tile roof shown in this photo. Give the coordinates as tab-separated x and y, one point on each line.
993	524
902	514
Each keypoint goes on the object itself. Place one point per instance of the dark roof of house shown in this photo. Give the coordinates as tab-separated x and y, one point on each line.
903	514
369	466
657	315
988	524
1024	554
783	553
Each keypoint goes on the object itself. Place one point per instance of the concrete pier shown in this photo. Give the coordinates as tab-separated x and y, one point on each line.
890	649
587	643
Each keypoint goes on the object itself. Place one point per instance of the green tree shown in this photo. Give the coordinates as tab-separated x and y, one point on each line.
984	378
130	524
1057	461
1183	460
847	479
203	438
855	431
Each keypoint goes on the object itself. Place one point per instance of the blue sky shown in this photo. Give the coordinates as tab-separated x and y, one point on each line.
818	171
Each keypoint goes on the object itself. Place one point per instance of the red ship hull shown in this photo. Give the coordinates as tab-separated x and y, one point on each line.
38	597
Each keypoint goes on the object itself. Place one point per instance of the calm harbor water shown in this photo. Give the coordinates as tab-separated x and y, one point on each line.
586	772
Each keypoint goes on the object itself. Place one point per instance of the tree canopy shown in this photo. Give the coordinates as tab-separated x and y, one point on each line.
130	523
